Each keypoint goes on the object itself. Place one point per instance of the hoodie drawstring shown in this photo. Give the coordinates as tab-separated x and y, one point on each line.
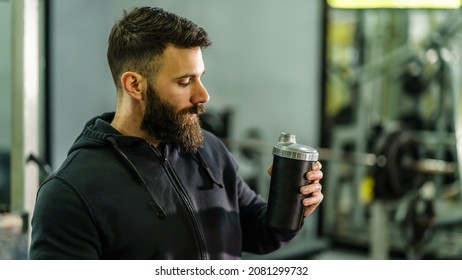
159	211
209	172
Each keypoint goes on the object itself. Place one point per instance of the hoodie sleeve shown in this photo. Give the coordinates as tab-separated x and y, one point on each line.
258	236
62	224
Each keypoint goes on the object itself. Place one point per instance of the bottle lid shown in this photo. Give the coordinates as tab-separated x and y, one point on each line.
287	147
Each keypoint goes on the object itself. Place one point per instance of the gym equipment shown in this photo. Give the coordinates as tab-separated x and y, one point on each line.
399	163
395	173
408	83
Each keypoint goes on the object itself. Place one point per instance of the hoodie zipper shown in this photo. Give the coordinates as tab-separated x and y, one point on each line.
181	191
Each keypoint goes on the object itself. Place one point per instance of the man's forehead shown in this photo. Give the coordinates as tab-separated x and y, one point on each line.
182	61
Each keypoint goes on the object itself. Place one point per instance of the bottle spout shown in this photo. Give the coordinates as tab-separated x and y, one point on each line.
287	138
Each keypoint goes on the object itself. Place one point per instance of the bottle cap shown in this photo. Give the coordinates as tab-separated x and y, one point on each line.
287	147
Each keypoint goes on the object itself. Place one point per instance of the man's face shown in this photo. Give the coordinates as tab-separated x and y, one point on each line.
176	98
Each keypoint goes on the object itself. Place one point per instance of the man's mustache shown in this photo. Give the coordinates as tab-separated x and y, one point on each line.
196	109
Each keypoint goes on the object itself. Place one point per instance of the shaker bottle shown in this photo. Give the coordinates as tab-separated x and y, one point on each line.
291	162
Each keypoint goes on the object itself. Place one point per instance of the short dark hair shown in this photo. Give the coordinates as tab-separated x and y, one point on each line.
142	35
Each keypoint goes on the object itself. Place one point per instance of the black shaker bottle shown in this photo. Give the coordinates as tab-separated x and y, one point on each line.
291	161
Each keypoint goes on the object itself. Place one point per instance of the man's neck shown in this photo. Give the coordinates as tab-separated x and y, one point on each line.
130	127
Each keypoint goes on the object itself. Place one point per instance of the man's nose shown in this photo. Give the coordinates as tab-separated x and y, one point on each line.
200	94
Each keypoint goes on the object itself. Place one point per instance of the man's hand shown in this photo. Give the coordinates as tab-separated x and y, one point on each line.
313	190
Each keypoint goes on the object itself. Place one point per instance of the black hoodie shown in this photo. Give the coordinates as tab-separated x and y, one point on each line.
117	197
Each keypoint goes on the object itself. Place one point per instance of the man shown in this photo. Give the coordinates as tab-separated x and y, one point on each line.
146	182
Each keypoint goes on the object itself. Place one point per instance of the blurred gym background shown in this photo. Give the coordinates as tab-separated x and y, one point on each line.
373	85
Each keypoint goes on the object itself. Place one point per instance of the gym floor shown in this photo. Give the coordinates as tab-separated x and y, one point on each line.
342	254
341	251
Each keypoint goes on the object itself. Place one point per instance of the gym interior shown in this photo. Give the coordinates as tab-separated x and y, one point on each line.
374	86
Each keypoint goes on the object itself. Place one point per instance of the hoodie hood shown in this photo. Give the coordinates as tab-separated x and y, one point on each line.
98	131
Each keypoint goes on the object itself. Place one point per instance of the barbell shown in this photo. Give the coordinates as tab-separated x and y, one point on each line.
398	161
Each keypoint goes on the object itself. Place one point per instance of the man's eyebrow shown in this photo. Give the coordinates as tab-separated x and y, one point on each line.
189	75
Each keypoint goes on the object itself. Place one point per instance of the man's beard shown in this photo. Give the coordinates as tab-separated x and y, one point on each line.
162	122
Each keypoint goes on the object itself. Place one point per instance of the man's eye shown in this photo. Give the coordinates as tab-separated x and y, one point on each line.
184	83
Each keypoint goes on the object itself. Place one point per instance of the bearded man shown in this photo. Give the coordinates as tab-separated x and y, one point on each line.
146	182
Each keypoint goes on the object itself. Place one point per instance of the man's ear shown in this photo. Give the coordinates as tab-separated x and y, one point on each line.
133	84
